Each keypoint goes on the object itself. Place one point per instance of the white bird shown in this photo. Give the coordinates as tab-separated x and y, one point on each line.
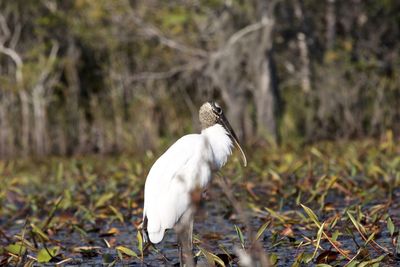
186	166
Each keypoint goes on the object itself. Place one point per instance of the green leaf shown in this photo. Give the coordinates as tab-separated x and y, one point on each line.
45	255
353	263
60	171
139	238
127	251
371	262
208	256
261	230
307	257
117	213
358	226
319	236
39	232
273	258
311	214
390	226
335	235
371	237
212	258
276	215
316	153
240	235
16	249
103	199
218	260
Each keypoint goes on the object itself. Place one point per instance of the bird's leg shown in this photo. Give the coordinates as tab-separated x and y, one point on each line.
185	251
190	240
166	259
190	234
146	240
185	244
180	250
145	234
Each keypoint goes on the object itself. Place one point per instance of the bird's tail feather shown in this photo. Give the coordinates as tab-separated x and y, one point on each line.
151	237
156	237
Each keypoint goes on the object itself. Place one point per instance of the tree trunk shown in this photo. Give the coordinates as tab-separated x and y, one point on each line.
25	122
116	99
39	115
267	99
4	127
266	92
330	24
72	76
236	111
227	73
305	68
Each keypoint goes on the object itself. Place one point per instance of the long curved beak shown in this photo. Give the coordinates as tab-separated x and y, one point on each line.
231	132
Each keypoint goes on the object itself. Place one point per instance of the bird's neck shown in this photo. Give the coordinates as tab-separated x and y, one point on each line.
220	144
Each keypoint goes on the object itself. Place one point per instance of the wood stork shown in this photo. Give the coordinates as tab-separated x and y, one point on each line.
186	166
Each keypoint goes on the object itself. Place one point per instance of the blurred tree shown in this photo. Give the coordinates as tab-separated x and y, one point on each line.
109	76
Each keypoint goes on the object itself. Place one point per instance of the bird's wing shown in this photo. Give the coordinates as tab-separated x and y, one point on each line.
169	183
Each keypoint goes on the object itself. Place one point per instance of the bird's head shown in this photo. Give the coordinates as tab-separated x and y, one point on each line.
210	114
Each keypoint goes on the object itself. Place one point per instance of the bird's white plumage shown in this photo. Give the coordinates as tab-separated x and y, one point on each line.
186	165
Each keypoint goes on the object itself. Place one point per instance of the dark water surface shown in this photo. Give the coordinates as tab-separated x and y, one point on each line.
214	227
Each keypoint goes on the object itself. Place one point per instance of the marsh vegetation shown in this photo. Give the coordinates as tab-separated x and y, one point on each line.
328	203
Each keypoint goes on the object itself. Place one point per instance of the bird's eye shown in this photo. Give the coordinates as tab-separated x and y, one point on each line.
218	110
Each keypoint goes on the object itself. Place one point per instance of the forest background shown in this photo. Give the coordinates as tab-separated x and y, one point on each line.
82	76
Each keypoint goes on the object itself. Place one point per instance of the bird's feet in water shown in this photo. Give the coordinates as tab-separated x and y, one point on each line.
148	247
179	263
165	258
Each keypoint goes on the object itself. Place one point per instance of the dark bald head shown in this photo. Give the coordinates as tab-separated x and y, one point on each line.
209	114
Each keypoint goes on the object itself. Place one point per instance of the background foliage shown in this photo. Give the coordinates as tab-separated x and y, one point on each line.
107	76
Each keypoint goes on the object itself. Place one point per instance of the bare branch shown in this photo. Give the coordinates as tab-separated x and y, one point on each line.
237	36
266	21
4	28
49	63
17	60
151	31
15	36
50	5
165	74
10	51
